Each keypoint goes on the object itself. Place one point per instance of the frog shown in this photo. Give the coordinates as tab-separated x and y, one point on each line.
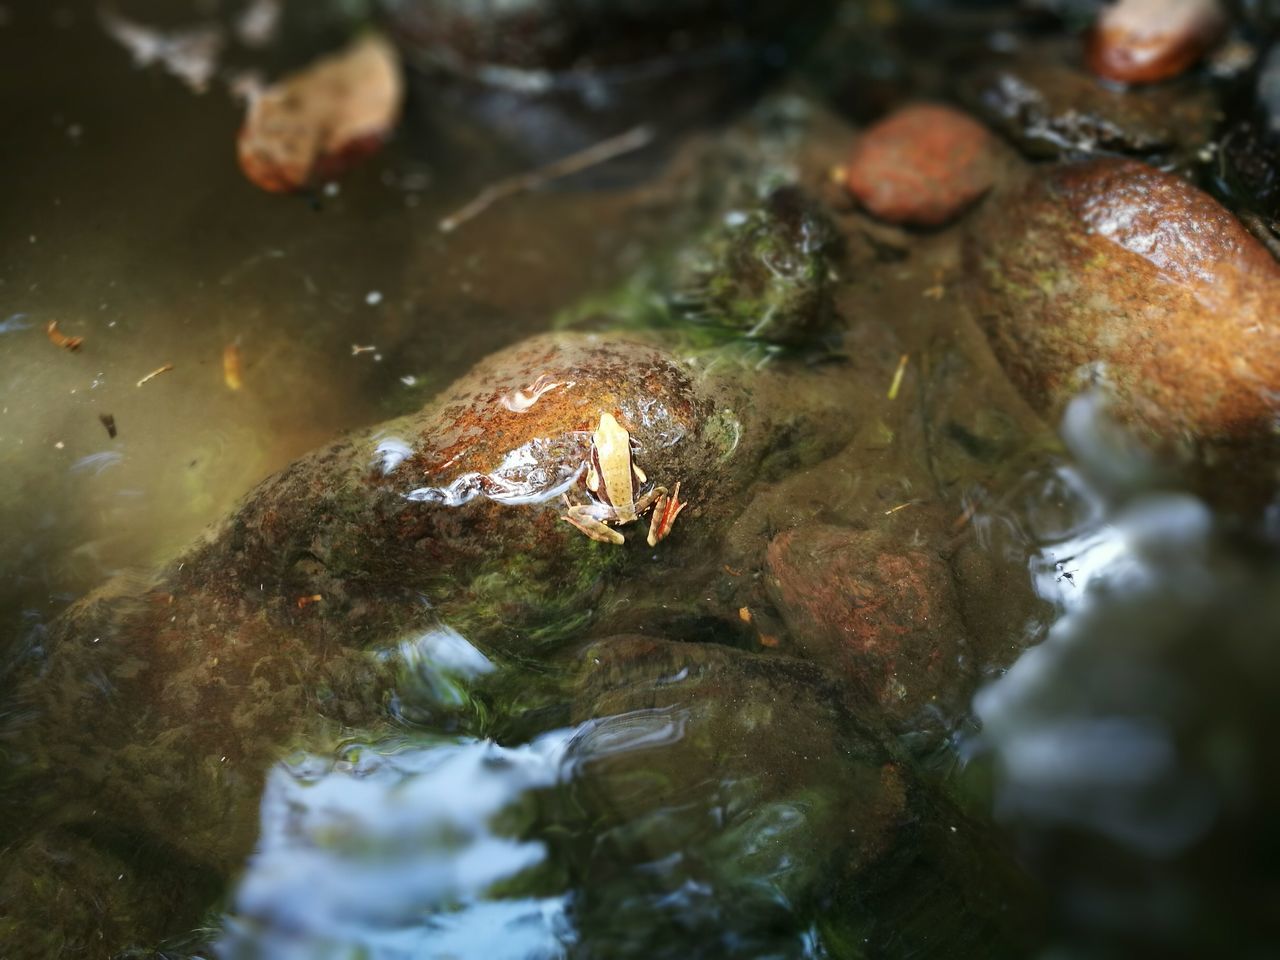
612	479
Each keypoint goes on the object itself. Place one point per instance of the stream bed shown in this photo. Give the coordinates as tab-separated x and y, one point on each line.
925	372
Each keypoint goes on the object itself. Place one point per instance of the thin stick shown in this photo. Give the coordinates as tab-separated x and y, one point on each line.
155	373
605	150
897	376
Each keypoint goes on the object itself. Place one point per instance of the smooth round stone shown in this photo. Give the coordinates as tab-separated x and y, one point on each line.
1114	275
1144	41
881	616
923	165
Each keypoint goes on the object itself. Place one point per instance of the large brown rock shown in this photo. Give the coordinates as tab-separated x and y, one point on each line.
1113	274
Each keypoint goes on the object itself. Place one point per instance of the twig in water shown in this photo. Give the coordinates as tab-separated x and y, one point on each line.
605	150
897	376
155	373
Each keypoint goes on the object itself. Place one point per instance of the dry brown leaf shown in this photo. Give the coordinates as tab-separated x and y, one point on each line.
60	339
231	367
315	124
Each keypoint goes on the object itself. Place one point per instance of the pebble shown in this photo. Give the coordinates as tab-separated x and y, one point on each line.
923	165
1145	41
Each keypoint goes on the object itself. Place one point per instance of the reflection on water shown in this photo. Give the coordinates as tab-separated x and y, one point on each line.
1131	749
396	851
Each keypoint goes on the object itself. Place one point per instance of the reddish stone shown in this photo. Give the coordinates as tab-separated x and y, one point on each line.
883	617
1143	41
923	165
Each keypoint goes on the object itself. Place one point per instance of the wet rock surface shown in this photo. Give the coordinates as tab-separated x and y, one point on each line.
883	616
1144	41
552	76
747	740
1052	109
1114	274
923	165
264	634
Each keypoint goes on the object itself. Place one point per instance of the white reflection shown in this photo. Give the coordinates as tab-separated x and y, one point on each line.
1080	726
392	452
440	665
393	855
95	463
536	472
626	732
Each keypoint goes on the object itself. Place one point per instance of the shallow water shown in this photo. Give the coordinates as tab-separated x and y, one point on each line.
632	797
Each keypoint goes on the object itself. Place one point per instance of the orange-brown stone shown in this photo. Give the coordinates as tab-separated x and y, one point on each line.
923	165
1144	41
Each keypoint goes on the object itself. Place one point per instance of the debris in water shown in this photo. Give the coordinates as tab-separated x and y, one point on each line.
315	124
257	25
356	349
155	373
231	366
897	376
304	602
768	640
59	339
744	614
190	54
634	139
109	422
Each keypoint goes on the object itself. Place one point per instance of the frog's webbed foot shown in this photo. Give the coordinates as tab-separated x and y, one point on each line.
581	517
665	510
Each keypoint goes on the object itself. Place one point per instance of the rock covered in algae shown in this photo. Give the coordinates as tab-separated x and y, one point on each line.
286	623
879	614
727	792
765	273
1113	274
196	678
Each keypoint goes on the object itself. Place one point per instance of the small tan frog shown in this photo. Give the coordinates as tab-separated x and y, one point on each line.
612	479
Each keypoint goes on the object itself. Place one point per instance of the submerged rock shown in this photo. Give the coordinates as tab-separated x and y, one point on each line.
1116	275
1143	41
1052	109
727	794
552	76
922	165
763	274
881	615
288	622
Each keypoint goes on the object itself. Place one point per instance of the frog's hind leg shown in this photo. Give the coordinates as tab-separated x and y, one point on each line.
581	517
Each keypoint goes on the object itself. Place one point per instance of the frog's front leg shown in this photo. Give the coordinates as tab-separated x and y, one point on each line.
587	518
